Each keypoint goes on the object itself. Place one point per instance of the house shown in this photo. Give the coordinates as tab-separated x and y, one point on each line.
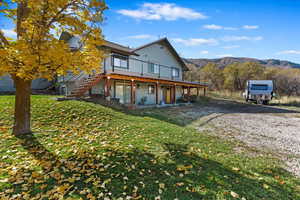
7	84
151	74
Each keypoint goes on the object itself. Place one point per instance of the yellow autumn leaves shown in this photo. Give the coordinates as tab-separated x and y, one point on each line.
38	51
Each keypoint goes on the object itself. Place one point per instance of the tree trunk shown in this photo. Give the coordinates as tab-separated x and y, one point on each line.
22	107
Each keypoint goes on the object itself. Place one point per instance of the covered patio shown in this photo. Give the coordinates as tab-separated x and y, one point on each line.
164	91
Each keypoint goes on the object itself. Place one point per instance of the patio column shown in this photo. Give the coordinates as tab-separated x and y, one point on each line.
156	93
189	93
107	86
204	91
197	91
174	94
132	100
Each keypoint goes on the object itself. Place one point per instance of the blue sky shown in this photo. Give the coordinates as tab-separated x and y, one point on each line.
207	28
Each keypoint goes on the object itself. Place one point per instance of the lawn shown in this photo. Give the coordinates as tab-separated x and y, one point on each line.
81	150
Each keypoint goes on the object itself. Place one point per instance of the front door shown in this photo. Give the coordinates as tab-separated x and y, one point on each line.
167	95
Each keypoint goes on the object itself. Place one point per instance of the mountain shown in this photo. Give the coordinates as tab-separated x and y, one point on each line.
222	62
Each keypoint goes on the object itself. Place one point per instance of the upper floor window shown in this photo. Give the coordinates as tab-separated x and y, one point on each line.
153	68
175	72
120	61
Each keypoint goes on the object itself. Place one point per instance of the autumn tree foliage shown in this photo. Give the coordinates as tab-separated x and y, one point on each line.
237	74
213	74
233	77
37	51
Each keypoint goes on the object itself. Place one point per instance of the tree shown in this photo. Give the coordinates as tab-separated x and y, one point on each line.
193	74
287	81
232	80
37	51
250	71
237	74
212	73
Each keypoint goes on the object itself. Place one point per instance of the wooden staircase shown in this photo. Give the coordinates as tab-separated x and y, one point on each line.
85	85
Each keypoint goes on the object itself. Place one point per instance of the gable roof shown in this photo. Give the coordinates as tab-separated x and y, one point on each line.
165	42
118	48
129	51
107	44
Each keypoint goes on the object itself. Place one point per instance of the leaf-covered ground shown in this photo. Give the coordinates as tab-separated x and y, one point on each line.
81	150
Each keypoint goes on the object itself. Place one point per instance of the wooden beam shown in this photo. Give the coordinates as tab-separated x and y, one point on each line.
152	80
174	94
197	91
132	100
189	93
156	92
107	87
204	91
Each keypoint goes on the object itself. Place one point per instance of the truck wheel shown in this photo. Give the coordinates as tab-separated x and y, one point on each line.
266	102
259	101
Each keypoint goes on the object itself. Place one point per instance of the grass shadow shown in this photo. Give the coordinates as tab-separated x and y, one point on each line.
135	174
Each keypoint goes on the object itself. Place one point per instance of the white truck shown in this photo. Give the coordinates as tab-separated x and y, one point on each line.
259	91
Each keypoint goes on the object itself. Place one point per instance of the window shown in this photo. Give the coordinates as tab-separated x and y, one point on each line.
120	61
259	87
153	68
151	89
175	72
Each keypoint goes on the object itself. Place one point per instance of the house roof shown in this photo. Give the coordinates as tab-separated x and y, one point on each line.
130	51
166	42
118	48
107	44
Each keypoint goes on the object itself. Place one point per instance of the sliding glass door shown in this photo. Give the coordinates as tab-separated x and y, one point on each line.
123	92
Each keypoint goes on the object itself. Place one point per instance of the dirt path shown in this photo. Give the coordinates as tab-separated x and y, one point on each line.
268	128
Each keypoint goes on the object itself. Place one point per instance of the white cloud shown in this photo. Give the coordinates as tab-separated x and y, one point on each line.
204	52
231	47
224	55
218	27
213	27
240	38
162	11
9	33
142	36
250	27
289	52
230	28
196	41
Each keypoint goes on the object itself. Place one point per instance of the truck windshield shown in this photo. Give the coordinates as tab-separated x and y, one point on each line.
259	87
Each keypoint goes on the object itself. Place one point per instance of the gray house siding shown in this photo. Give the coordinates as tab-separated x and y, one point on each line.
160	54
7	84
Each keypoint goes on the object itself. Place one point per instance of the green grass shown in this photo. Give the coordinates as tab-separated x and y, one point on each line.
82	150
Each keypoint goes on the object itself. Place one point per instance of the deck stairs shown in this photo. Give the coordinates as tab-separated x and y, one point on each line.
85	85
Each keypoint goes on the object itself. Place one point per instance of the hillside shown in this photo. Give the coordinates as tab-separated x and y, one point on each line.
81	150
222	62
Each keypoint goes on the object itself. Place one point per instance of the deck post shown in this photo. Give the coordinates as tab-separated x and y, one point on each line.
197	91
189	93
132	100
156	93
174	94
107	87
204	91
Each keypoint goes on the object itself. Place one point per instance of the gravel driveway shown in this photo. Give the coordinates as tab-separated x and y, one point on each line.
268	128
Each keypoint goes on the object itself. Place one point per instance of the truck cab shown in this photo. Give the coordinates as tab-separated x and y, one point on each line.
259	91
